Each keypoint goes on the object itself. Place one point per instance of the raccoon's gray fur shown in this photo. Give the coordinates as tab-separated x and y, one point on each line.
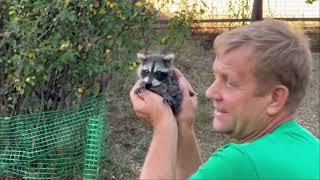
158	75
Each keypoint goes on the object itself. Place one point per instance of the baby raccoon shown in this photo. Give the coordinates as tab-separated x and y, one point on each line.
158	75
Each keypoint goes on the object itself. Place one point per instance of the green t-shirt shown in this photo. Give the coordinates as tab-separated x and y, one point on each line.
289	152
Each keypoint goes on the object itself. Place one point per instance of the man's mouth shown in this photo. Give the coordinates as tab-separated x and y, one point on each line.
220	110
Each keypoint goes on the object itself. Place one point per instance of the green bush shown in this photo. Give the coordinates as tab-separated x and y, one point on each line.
55	52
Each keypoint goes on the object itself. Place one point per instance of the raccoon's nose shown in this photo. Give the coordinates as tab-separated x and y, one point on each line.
148	84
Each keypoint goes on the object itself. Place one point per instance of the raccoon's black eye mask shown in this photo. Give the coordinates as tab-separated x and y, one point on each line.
161	75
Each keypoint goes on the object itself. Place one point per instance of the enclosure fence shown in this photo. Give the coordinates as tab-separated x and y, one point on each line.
60	144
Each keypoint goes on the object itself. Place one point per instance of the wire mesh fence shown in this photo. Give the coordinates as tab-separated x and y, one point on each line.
54	145
222	15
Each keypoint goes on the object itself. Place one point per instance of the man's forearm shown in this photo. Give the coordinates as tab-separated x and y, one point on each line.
188	155
160	161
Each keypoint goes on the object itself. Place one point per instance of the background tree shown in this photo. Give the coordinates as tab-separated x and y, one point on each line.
53	53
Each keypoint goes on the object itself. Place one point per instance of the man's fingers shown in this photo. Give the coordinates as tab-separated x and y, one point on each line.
178	73
136	100
136	86
191	93
145	97
184	84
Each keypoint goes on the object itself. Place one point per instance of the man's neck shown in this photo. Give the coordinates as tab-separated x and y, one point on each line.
274	123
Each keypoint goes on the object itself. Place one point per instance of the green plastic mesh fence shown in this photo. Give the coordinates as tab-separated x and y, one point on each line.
60	144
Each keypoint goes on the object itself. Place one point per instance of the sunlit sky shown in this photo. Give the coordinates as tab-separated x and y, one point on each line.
221	8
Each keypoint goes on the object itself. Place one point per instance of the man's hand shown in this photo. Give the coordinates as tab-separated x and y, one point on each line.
189	103
188	156
160	162
150	107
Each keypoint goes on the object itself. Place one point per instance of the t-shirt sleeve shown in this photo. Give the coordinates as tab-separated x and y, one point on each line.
228	163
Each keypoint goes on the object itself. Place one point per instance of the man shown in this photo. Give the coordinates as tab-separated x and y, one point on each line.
261	74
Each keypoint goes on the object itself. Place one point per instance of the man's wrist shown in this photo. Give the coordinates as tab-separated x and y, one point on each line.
166	123
185	132
186	125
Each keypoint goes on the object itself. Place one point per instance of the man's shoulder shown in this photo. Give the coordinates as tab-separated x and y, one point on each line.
287	140
288	134
228	162
232	152
272	156
283	151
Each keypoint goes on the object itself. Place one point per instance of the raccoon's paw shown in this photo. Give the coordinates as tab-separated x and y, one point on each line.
139	90
169	100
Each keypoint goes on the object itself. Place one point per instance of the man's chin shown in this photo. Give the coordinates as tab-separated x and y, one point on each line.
221	128
227	132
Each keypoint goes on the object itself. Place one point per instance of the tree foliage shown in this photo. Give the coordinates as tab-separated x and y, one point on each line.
53	52
310	1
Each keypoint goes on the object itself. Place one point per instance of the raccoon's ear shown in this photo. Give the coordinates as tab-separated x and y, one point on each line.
141	57
169	58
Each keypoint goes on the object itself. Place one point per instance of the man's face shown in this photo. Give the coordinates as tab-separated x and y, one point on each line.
237	110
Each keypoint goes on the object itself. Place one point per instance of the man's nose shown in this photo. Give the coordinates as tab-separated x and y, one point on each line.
213	91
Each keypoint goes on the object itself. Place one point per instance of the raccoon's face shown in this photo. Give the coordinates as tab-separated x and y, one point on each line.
154	69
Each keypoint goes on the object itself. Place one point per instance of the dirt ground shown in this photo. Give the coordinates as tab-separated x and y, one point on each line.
129	138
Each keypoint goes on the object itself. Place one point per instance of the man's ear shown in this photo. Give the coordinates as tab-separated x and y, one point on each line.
278	100
169	58
141	57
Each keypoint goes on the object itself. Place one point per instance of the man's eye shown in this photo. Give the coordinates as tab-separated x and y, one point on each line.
228	83
231	84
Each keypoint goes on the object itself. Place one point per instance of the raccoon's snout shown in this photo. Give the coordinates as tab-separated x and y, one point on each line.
148	84
151	82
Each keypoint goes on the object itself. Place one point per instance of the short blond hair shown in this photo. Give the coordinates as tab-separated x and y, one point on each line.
282	54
